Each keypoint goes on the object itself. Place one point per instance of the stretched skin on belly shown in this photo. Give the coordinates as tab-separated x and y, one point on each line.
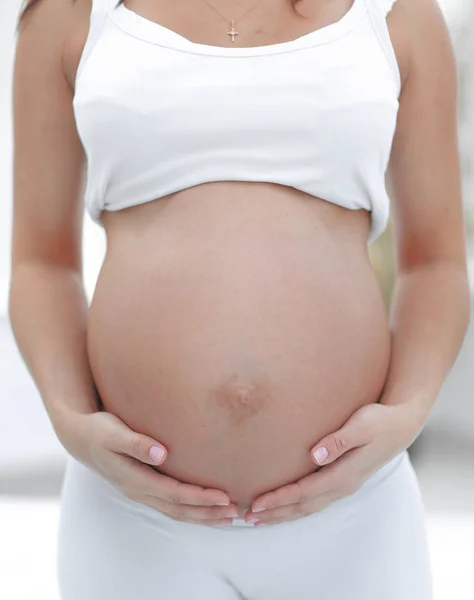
238	342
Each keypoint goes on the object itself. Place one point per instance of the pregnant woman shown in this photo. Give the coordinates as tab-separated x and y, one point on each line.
236	402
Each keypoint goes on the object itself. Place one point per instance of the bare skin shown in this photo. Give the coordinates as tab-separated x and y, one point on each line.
253	323
220	327
235	322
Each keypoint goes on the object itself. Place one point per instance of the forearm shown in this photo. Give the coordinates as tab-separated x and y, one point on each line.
428	321
48	314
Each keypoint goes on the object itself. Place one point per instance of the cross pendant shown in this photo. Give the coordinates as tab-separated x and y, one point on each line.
232	31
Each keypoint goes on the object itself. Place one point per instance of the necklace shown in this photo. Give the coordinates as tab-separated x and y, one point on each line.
232	31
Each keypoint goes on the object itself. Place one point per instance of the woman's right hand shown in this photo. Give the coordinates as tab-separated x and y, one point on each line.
104	443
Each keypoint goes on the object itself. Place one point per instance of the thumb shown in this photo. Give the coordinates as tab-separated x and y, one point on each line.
335	445
147	450
137	445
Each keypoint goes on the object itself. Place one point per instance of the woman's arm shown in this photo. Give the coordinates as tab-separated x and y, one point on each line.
47	304
431	301
430	307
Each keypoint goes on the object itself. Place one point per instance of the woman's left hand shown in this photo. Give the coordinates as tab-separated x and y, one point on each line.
368	440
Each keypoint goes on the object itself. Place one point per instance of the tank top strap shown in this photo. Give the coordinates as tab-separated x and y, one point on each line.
384	6
103	6
381	6
378	10
98	16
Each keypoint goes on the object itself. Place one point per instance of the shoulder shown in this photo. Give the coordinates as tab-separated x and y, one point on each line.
50	33
412	7
420	33
36	13
430	43
422	19
44	24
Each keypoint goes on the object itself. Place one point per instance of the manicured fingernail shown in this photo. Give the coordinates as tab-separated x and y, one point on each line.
253	520
255	510
222	503
156	453
320	454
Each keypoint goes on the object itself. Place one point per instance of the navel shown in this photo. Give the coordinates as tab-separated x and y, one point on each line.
241	399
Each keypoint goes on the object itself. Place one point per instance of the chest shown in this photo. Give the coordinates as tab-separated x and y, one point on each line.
135	91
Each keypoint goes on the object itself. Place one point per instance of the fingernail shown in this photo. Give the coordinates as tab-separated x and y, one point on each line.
222	503
320	454
156	453
255	510
253	520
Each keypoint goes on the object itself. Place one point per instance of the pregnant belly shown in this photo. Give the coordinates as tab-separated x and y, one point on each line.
237	344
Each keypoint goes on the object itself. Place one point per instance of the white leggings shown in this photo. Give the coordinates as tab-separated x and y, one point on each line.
371	545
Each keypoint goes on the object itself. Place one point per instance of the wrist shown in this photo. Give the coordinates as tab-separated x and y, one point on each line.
68	424
61	408
413	411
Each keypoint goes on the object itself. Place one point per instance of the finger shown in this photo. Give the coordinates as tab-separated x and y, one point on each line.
338	479
335	481
147	450
188	513
178	492
140	479
303	490
357	431
124	440
334	445
291	512
211	522
137	449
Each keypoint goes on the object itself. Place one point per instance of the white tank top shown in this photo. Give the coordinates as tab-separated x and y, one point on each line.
158	113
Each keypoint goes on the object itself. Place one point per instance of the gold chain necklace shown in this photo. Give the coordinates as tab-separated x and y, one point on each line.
232	31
